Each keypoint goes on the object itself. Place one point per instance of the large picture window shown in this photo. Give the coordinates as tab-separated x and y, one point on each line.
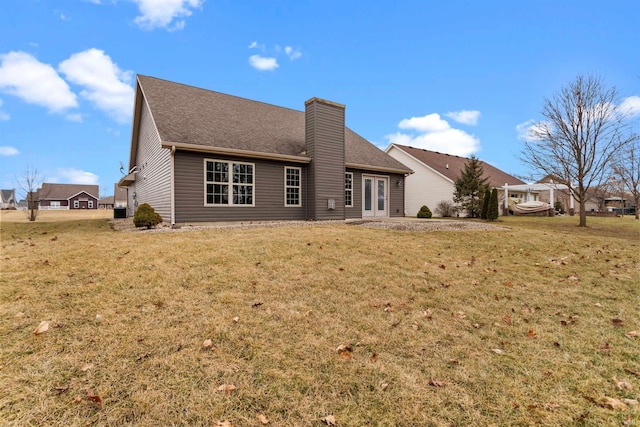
229	183
348	189
292	186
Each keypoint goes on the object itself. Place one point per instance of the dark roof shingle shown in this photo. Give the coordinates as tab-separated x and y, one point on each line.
52	191
187	114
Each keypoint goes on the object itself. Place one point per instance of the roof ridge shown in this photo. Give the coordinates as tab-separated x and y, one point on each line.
219	93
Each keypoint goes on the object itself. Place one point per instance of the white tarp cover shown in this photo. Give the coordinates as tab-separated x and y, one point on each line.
531	207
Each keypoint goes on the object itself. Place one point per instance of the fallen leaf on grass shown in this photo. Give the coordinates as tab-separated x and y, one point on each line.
623	384
551	406
384	386
630	402
437	383
613	403
427	314
94	398
61	388
497	351
42	327
207	344
86	367
345	355
532	334
256	304
226	388
263	419
330	420
507	319
460	314
617	321
374	357
636	373
236	319
633	334
224	423
598	305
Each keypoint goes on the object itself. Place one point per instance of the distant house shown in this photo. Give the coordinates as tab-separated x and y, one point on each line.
435	174
67	196
8	199
106	202
198	155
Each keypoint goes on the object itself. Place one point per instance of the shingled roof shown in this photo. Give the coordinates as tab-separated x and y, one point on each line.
50	191
190	115
452	166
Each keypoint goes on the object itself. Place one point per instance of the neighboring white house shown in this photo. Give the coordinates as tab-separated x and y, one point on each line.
435	174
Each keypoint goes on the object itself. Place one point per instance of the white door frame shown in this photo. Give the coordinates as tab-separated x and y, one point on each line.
378	198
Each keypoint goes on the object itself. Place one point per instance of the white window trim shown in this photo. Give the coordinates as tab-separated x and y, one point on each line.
90	204
350	189
230	184
299	187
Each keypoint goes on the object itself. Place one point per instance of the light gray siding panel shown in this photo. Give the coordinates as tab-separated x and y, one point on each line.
325	137
153	180
268	192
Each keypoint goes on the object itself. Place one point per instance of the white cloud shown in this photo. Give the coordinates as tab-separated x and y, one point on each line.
429	123
263	63
435	134
64	17
24	76
164	13
7	150
292	53
466	117
527	130
77	176
255	45
94	1
75	117
3	116
630	106
104	83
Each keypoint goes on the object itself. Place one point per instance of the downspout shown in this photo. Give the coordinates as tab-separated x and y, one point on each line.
173	185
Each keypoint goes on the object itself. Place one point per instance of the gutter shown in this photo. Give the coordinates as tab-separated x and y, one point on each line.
172	203
234	152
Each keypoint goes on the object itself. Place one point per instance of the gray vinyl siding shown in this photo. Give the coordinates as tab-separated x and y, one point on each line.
153	180
396	194
356	210
268	191
325	145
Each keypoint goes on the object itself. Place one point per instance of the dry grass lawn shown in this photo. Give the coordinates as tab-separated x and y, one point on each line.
320	325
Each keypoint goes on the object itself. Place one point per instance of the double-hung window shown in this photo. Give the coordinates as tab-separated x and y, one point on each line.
348	189
292	186
76	204
229	183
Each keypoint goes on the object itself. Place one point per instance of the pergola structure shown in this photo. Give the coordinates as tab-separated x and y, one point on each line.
536	188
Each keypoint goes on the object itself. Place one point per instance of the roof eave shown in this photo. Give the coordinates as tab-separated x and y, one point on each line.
235	152
378	168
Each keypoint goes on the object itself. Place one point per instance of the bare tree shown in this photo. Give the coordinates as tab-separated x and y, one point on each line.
583	129
626	169
29	184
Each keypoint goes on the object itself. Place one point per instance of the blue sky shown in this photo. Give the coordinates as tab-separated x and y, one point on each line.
458	76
